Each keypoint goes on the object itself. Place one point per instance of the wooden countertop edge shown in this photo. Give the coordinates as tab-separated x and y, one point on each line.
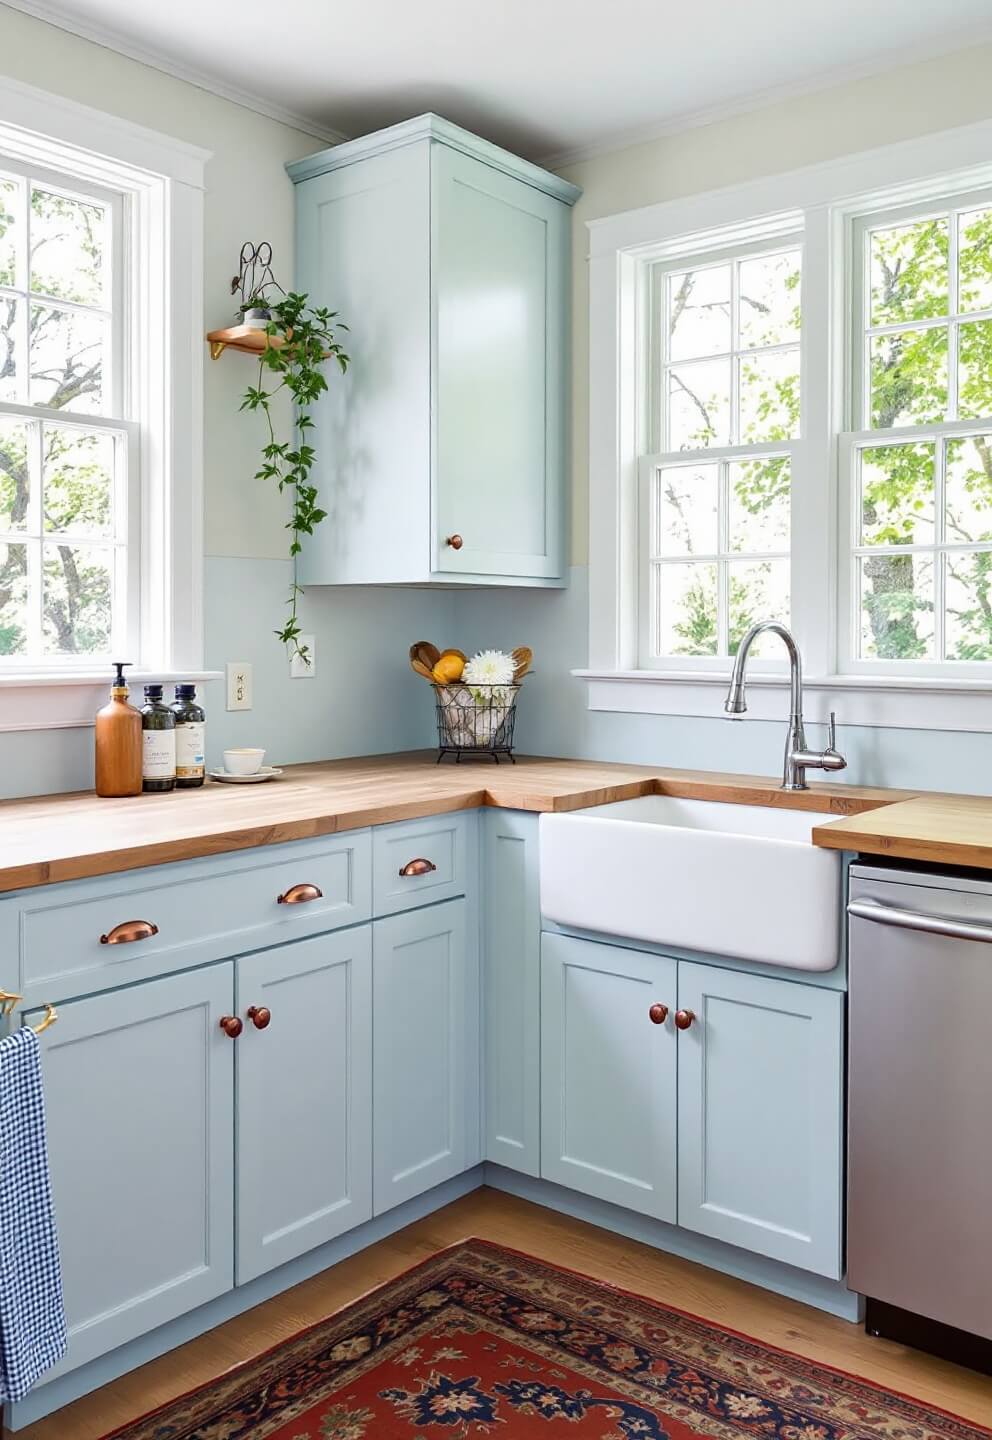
546	788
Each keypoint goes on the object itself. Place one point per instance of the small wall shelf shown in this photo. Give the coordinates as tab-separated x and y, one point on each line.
241	337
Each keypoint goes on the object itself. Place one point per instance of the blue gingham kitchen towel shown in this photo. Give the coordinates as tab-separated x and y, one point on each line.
32	1316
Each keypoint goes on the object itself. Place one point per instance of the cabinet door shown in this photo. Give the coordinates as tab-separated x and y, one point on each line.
426	1051
304	1118
363	248
511	971
761	1115
499	265
139	1091
608	1073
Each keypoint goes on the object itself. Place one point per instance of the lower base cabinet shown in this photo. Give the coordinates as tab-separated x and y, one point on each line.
761	1115
139	1092
730	1124
608	1074
304	1115
426	1051
511	1003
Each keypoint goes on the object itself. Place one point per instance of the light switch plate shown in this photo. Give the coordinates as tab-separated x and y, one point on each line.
299	669
238	685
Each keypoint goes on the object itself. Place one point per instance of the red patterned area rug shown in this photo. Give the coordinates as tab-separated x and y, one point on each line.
481	1341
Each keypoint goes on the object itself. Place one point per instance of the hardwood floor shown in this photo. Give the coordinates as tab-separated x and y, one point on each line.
550	1236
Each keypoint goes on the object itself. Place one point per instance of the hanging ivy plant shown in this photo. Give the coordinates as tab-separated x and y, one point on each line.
308	340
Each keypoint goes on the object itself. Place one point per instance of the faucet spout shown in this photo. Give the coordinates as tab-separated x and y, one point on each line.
798	758
736	703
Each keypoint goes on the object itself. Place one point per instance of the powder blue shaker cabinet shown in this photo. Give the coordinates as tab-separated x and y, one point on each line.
139	1093
425	1058
303	1122
441	454
761	1115
732	1127
511	1004
608	1073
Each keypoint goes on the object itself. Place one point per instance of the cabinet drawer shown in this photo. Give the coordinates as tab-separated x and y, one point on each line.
202	910
417	862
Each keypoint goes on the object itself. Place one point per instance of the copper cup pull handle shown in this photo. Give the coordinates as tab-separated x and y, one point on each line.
658	1014
684	1018
417	867
231	1026
259	1015
128	931
299	894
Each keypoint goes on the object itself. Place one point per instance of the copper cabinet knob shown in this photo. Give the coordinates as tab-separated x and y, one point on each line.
416	867
684	1018
299	894
231	1026
658	1014
259	1015
454	542
128	931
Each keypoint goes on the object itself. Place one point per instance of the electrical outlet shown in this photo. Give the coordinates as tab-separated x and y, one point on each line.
300	669
238	685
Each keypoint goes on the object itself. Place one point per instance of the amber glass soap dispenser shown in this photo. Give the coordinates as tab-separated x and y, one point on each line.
118	742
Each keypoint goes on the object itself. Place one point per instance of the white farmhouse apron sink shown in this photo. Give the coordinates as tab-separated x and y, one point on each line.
739	880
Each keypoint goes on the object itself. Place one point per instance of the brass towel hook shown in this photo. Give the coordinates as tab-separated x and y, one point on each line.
51	1015
9	1003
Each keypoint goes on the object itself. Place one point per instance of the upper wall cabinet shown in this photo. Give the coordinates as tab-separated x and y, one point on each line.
441	454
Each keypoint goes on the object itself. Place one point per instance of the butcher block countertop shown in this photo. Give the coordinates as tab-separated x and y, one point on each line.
68	837
937	829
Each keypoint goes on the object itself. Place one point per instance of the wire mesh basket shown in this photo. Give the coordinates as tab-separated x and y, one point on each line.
475	720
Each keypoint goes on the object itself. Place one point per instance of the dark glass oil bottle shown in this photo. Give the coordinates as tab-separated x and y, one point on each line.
190	738
158	742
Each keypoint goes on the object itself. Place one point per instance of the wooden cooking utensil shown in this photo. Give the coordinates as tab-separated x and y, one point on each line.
422	669
522	658
426	653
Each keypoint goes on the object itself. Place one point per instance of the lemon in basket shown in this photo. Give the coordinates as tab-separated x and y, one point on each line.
449	668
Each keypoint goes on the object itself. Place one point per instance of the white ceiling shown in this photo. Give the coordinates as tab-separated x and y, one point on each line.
545	77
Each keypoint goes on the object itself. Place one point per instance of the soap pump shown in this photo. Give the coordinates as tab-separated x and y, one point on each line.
118	741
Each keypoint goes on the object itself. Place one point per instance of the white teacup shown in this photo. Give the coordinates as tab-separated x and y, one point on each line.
243	761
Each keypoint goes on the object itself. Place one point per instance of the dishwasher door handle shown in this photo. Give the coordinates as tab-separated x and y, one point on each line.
913	920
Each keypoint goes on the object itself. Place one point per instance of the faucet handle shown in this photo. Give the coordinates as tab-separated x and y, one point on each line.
832	731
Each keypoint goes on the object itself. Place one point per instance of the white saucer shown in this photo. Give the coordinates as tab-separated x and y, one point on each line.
267	772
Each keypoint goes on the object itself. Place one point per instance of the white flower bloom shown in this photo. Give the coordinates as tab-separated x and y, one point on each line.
489	667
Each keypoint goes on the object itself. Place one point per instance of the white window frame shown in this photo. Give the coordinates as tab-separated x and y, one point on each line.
789	237
125	546
823	201
859	436
161	181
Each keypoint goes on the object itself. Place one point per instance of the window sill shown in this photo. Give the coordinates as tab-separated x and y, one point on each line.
67	700
906	703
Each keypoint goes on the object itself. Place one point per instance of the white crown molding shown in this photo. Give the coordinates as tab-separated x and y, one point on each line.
113	40
959	39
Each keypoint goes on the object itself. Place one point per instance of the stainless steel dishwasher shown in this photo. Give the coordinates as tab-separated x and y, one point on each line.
920	1107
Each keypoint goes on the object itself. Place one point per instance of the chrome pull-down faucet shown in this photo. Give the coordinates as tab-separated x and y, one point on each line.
798	758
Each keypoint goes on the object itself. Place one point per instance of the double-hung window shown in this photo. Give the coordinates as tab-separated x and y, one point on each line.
101	397
69	481
916	471
791	419
724	415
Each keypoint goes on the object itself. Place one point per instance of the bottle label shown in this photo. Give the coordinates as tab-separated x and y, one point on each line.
158	755
189	749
